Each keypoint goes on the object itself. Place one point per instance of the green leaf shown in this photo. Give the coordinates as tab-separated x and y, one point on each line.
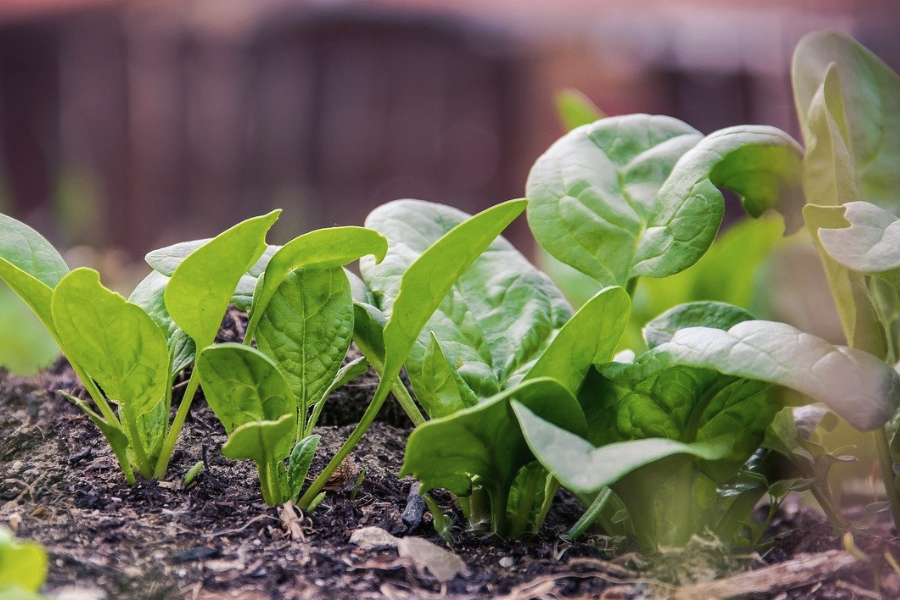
593	191
761	164
113	340
871	244
203	284
243	385
589	337
657	398
854	384
166	260
850	290
694	314
637	195
261	441
864	110
320	249
485	440
307	328
441	389
575	109
427	281
584	468
23	565
496	315
150	295
31	267
298	465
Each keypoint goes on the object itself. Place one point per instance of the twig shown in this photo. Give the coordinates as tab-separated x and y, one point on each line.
802	571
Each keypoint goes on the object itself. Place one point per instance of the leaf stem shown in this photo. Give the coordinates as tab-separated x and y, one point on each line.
527	502
368	417
175	430
591	514
886	464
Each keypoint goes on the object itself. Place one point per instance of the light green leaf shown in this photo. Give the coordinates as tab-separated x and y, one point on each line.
114	341
694	314
592	192
150	295
854	384
320	249
859	317
761	164
589	337
166	260
31	267
203	284
242	385
441	389
261	441
866	109
497	316
575	109
428	280
582	467
871	244
485	440
23	565
307	328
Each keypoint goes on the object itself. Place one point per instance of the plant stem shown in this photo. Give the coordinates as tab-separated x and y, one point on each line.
591	515
886	464
169	446
407	403
499	501
526	503
368	417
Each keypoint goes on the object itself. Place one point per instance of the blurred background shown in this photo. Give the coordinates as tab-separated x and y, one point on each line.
125	126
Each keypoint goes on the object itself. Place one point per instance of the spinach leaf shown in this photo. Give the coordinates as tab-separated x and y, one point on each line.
119	346
854	384
242	385
485	442
150	295
591	193
320	249
637	195
864	106
198	294
267	443
497	318
31	267
307	327
255	404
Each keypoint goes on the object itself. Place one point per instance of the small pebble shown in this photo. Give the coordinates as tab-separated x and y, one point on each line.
507	562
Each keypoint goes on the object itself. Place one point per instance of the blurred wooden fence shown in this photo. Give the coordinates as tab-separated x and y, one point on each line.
138	126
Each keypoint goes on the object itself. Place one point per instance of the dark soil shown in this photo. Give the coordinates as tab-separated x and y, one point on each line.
60	486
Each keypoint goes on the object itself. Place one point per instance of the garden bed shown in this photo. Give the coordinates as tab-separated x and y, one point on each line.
216	539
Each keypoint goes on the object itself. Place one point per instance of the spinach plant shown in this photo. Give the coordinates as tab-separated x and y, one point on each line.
848	104
387	343
269	399
670	431
126	355
501	330
23	568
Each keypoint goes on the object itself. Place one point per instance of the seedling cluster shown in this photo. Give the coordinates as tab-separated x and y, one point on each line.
514	392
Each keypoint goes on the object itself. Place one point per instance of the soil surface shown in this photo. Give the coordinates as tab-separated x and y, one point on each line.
60	486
